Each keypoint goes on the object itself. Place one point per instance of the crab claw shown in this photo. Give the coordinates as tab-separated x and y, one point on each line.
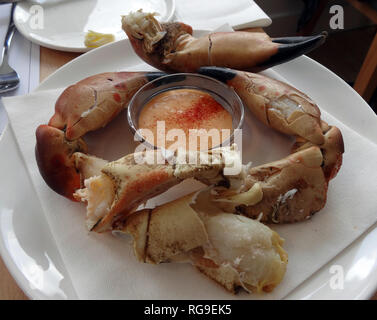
290	48
54	158
275	103
93	102
126	183
332	150
152	41
172	48
294	188
235	251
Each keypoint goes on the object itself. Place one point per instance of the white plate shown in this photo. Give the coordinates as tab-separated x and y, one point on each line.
26	243
65	22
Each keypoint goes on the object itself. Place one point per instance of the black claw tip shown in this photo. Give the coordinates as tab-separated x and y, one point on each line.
300	40
154	75
221	74
167	79
293	47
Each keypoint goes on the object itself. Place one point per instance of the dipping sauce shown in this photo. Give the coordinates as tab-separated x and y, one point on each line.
176	116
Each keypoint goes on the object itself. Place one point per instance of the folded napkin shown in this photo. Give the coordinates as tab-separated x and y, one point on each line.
209	14
104	267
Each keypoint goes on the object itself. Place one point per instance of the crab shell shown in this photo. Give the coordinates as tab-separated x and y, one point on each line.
275	103
131	181
332	150
53	153
93	102
294	188
172	48
232	250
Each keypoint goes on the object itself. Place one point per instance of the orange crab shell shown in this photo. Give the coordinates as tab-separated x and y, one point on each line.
54	159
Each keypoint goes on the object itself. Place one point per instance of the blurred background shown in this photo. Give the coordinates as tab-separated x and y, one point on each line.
345	50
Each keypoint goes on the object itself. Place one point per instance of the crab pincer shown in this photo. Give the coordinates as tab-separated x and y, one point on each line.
288	110
275	103
332	149
290	48
55	162
93	102
171	46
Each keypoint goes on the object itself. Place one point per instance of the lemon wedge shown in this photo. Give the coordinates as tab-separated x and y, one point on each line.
96	39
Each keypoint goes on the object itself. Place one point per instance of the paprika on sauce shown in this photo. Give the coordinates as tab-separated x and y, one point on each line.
185	110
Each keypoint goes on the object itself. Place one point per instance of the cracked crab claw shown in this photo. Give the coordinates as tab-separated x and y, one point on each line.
126	183
171	46
232	250
294	188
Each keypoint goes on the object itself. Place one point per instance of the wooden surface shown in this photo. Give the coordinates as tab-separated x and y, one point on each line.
366	81
365	8
8	287
50	60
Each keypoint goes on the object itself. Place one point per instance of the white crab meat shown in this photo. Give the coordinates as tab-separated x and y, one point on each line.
99	195
143	25
285	106
247	246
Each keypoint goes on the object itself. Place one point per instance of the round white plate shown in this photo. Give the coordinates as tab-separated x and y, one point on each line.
29	250
62	24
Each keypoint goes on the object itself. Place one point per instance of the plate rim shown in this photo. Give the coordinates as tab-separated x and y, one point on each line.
18	276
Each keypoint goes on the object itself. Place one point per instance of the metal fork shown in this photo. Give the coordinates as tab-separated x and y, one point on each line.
9	79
